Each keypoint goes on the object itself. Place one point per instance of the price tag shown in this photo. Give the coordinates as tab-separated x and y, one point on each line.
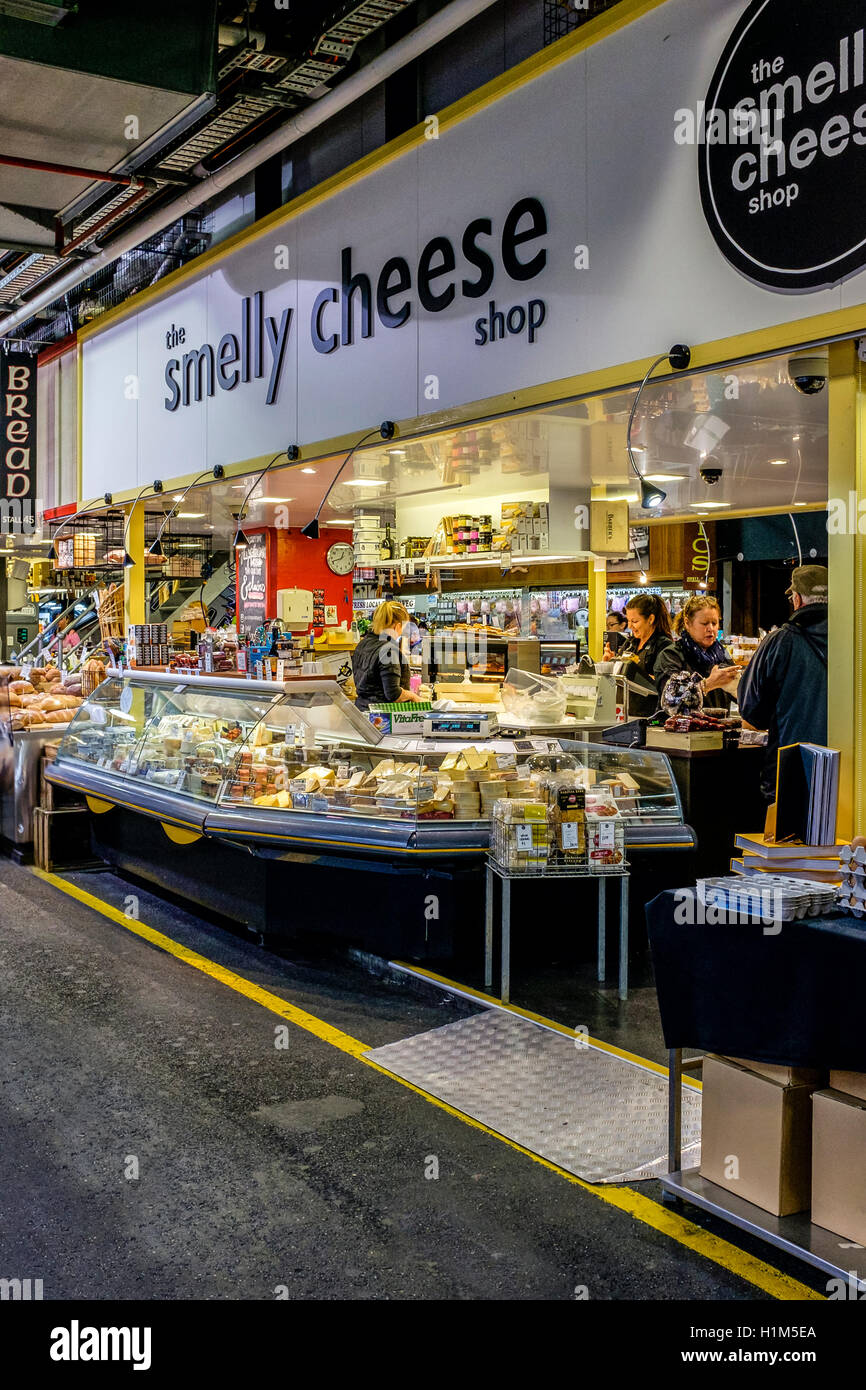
524	837
343	771
25	672
281	670
569	834
606	834
125	701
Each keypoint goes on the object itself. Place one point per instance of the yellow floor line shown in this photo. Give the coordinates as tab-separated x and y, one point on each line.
626	1199
490	999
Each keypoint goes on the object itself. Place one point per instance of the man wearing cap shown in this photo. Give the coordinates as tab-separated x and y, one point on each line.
784	689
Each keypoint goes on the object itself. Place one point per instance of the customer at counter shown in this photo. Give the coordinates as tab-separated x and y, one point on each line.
380	673
784	689
697	649
650	625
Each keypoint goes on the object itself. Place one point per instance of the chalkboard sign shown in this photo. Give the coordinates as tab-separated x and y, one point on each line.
253	582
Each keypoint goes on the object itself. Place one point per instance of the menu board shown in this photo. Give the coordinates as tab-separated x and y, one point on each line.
253	582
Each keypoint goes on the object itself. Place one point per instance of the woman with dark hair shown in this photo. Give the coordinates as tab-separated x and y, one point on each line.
697	649
650	625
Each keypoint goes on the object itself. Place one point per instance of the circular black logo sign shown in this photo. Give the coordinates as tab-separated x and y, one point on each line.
782	144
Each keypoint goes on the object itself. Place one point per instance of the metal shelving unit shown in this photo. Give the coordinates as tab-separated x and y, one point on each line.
796	1234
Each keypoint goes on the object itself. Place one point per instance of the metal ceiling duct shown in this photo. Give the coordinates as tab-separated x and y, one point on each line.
425	37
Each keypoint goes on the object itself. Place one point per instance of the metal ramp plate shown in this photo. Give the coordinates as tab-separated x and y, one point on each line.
588	1111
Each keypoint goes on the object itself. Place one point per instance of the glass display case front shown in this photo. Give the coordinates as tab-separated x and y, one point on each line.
241	757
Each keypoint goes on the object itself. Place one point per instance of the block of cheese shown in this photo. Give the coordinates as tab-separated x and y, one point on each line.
475	760
284	800
450	761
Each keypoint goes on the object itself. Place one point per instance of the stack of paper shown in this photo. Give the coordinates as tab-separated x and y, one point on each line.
807	794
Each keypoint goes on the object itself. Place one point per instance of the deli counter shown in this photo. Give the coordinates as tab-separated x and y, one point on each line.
207	786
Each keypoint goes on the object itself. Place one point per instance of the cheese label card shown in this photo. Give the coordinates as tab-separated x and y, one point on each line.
524	837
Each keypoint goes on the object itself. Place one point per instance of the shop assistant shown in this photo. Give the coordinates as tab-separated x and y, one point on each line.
697	648
380	673
650	625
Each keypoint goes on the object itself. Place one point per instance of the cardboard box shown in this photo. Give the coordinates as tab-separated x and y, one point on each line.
786	1076
839	1164
853	1083
756	1138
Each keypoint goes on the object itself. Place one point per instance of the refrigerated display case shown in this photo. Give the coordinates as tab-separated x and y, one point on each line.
294	774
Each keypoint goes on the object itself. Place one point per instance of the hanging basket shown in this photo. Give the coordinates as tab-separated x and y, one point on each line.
110	609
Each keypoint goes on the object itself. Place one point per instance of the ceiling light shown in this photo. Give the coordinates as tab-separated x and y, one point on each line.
778	463
801	504
395	451
650	494
308	470
365	482
663	477
273	499
707	505
642	579
795	437
191	516
339	521
178	497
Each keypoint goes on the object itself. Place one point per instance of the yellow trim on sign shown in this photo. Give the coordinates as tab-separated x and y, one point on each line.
721	1252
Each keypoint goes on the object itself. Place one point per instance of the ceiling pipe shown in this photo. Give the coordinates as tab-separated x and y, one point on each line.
71	170
425	37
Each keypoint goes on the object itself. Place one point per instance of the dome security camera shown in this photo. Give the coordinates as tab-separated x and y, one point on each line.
808	370
711	471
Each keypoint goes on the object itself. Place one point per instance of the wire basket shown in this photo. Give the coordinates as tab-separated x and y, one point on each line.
110	608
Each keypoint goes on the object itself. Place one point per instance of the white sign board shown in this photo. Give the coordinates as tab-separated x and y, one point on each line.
557	231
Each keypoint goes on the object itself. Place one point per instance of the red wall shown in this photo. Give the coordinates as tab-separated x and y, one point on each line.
295	562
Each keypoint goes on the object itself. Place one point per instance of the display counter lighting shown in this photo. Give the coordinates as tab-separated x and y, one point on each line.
664	477
308	470
778	463
190	516
364	482
706	506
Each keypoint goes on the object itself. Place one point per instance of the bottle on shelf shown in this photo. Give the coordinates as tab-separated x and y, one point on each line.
386	549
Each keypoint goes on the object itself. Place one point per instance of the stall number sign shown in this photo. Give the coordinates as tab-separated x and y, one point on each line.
782	144
18	423
253	583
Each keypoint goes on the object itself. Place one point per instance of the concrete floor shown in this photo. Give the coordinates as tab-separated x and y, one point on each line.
258	1167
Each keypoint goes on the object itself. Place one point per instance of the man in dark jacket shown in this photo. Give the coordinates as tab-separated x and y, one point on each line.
784	689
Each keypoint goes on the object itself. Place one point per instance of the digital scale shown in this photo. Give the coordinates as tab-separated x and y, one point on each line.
458	725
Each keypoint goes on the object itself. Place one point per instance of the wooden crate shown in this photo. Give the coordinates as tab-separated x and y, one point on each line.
61	838
52	798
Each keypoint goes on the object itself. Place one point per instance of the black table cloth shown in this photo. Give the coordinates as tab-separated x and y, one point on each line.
797	998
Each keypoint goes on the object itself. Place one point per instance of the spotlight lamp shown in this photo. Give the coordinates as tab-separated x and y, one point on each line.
241	541
651	494
311	530
293	453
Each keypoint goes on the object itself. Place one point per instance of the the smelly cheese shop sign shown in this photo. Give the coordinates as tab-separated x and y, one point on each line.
782	157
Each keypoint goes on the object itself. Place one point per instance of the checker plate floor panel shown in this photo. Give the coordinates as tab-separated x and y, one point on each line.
592	1113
